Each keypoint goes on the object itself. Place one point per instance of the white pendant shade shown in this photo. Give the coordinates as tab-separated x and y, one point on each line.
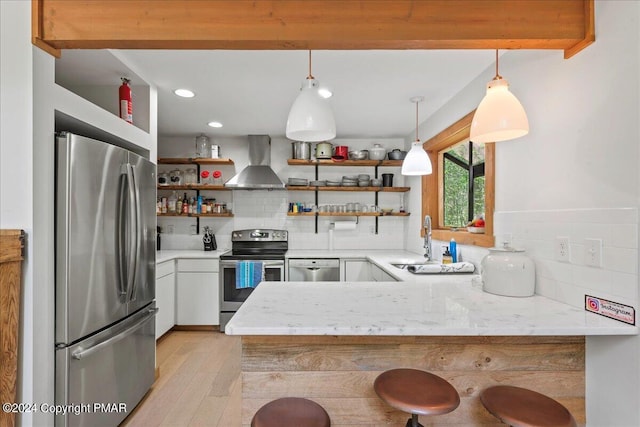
500	116
310	118
417	161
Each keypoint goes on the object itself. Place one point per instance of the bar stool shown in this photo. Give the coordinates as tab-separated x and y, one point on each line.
520	407
416	392
291	412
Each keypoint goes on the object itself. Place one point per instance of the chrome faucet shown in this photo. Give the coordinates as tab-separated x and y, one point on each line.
427	238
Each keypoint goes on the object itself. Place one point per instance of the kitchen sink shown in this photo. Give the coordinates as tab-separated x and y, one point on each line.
404	266
433	267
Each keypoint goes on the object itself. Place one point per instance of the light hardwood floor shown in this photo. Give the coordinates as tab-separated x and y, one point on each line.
199	383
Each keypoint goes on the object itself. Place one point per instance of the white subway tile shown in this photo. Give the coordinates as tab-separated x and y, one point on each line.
624	236
620	259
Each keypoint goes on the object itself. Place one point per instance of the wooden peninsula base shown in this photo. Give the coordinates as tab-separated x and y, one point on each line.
338	372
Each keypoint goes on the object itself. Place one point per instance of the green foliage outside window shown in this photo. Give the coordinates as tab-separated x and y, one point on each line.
457	170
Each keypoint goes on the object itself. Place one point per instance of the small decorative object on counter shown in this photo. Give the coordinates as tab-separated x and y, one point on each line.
126	101
202	145
453	248
446	256
509	272
209	240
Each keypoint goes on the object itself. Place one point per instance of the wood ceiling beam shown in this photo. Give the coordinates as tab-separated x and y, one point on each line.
314	24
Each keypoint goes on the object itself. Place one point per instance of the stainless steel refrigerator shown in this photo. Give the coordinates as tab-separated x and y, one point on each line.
105	281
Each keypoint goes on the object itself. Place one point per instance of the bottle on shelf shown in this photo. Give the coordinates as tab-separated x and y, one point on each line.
179	206
173	198
185	204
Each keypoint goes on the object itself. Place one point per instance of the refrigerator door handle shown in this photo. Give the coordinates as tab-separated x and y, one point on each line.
121	235
133	228
82	353
137	233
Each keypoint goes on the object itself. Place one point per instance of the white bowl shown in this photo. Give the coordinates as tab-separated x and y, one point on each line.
476	230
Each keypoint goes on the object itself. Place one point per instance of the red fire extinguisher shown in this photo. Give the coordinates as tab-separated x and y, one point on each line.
126	104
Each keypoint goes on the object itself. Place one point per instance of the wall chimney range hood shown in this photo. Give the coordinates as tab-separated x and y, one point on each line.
258	175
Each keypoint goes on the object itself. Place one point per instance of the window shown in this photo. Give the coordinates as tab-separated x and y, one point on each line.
461	186
463	183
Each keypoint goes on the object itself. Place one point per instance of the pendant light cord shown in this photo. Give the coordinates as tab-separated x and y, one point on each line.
417	139
310	76
498	76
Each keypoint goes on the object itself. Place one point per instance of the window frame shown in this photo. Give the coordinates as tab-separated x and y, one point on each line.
432	185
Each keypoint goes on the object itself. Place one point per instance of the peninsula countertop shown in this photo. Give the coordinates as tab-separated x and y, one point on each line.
440	306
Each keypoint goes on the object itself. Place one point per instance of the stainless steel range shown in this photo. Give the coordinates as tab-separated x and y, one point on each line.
267	248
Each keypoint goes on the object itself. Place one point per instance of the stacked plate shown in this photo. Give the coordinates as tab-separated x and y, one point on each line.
298	182
349	181
334	183
364	180
318	183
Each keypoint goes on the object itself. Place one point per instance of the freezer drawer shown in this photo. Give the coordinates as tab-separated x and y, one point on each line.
102	378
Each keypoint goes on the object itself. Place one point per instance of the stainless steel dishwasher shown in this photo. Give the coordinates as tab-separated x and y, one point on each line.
314	270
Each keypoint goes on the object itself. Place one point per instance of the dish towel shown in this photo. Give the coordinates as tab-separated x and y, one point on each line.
456	267
248	274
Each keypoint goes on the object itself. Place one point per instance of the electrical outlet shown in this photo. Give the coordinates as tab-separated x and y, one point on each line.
593	252
562	249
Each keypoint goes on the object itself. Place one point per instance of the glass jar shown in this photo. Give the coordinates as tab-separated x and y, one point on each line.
163	178
175	177
202	146
191	176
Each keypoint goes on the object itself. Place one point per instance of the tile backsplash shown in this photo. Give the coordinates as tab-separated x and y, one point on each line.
568	282
268	209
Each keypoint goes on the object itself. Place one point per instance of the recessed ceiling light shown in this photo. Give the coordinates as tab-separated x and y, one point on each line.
184	93
325	93
215	124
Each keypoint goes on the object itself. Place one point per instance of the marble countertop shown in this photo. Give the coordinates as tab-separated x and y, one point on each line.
451	305
168	255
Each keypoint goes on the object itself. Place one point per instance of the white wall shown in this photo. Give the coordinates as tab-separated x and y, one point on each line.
16	166
581	160
261	208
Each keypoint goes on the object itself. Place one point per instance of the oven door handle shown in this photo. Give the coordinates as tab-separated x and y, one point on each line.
264	264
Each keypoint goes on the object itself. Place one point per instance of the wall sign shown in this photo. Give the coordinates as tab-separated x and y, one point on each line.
613	310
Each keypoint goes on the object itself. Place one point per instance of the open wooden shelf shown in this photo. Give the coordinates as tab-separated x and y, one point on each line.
369	189
194	187
192	215
193	161
375	214
301	162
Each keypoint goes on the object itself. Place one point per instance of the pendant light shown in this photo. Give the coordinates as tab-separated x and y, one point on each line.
417	161
310	118
500	116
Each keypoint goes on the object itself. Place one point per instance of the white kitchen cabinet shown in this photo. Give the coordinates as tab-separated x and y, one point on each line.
197	292
379	275
165	297
357	271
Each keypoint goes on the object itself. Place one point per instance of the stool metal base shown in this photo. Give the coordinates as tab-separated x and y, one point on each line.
413	421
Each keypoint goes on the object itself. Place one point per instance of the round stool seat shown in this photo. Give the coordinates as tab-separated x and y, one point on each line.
416	392
291	412
521	407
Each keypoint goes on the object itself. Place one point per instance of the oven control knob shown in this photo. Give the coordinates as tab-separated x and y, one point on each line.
276	234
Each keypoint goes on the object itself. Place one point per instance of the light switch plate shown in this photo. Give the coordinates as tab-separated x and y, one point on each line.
593	252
